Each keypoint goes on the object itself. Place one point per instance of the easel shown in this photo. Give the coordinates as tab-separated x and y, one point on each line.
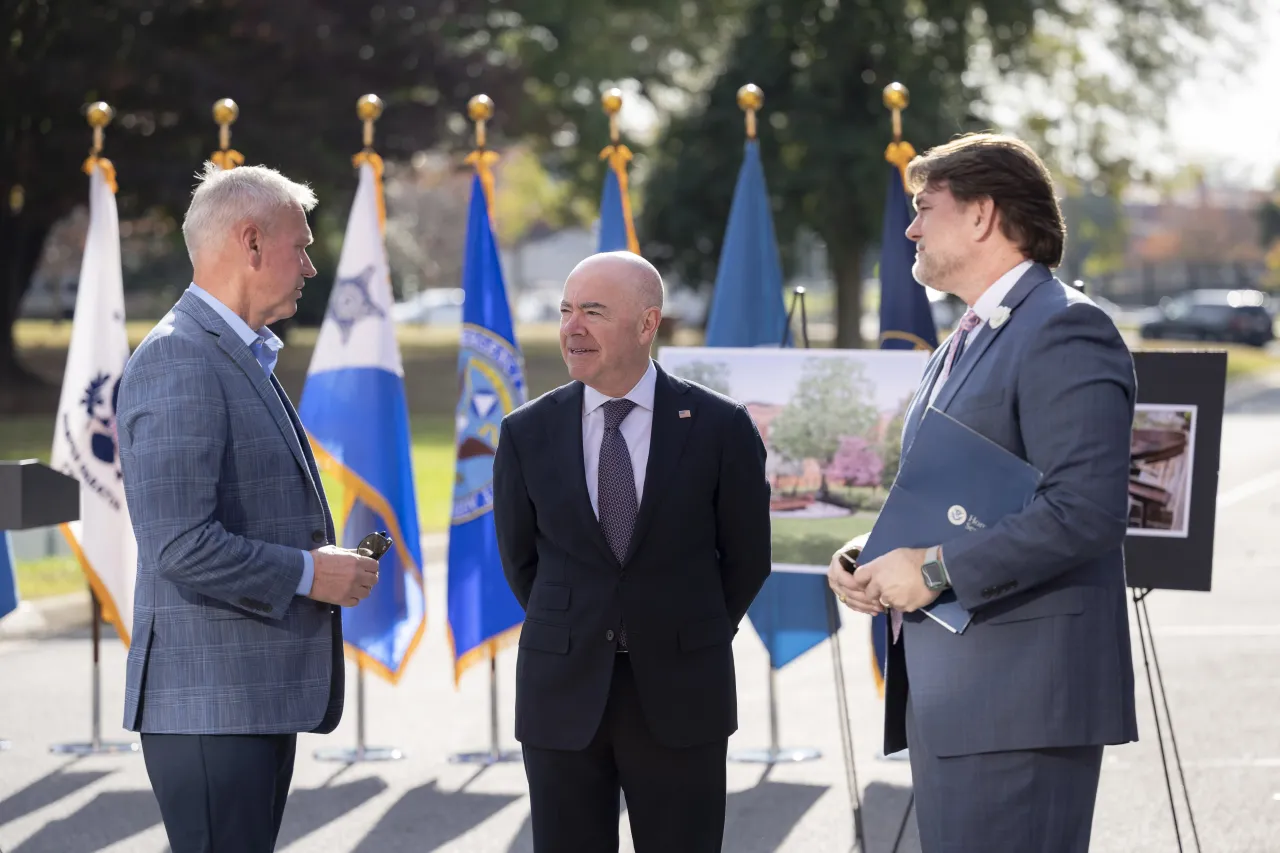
774	754
1181	380
1144	621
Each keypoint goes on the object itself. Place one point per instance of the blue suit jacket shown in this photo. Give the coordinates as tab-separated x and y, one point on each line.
1046	661
224	497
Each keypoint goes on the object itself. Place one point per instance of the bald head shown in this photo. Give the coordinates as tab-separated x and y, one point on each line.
609	314
633	278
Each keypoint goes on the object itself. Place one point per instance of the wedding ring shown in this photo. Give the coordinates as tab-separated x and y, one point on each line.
843	600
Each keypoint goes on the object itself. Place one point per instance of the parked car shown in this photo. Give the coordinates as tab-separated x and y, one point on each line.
1227	316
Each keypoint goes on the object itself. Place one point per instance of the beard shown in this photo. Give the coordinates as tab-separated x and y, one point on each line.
934	270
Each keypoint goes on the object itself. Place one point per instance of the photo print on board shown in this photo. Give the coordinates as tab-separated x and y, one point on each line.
1160	463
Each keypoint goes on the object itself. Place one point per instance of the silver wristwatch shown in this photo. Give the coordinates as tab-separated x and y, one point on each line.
935	573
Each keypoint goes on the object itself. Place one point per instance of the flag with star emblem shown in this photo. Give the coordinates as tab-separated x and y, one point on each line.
84	438
484	615
354	411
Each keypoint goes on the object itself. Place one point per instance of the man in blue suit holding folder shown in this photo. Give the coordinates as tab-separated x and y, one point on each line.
1007	721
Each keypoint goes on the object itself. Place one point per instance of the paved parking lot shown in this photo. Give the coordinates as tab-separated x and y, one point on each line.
1219	654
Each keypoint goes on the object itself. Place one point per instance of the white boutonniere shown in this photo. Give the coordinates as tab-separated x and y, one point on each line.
999	316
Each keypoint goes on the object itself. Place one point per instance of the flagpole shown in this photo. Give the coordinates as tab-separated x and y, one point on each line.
225	113
368	110
99	116
480	109
750	101
896	98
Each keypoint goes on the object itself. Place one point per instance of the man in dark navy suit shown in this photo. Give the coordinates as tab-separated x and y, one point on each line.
1007	722
632	514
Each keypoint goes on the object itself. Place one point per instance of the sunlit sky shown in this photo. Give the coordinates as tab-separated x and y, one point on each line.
1234	122
1226	121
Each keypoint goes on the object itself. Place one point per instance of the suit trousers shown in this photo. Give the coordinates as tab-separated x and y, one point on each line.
675	797
1029	801
220	793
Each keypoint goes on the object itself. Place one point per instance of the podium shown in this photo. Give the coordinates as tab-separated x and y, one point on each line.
34	495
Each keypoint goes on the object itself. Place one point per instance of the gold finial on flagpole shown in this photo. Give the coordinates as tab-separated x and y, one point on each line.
750	99
611	101
99	116
225	113
369	110
896	98
480	108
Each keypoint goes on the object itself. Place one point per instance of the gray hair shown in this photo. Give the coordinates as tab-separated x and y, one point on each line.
224	197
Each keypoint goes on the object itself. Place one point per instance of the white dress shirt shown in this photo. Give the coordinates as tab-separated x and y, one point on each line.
636	429
986	305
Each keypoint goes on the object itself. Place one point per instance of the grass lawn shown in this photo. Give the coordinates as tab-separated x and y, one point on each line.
812	541
1241	360
49	576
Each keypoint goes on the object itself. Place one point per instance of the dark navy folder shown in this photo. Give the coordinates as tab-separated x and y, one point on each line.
952	481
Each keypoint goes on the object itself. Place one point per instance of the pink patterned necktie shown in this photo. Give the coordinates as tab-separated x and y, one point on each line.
967	324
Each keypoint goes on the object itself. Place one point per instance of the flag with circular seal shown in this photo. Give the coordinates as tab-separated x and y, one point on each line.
484	615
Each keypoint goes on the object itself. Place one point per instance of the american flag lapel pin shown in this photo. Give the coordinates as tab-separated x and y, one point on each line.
685	413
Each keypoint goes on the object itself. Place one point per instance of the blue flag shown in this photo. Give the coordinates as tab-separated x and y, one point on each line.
906	321
747	309
354	411
790	612
617	229
484	615
8	576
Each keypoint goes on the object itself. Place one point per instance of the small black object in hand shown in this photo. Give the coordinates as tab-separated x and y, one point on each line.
849	561
375	545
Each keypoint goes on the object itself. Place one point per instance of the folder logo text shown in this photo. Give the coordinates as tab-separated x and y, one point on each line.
957	515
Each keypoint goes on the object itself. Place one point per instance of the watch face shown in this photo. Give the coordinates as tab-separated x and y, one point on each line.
932	575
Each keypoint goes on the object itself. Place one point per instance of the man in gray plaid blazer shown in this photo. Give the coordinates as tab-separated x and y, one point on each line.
237	627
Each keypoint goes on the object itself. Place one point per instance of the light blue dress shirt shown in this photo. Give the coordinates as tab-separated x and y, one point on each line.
265	347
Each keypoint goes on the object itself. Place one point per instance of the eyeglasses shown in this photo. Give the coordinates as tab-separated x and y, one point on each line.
375	545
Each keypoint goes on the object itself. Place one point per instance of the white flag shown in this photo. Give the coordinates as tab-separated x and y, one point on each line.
85	445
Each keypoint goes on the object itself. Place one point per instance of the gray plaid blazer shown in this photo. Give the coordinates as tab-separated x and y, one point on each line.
224	497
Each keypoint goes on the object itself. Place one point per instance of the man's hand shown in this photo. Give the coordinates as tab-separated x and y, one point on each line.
895	581
342	577
841	581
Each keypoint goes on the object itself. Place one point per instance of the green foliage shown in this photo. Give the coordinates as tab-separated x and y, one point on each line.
892	452
823	66
830	401
712	374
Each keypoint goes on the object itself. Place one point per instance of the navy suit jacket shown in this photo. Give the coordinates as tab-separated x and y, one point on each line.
1046	661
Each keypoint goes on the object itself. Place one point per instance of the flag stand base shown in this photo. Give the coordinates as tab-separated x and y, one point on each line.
359	753
495	754
96	745
774	754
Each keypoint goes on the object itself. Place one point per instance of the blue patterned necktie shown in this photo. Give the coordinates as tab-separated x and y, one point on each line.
616	490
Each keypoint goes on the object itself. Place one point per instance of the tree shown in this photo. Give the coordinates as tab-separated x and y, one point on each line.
892	452
296	70
832	400
856	463
712	374
824	129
